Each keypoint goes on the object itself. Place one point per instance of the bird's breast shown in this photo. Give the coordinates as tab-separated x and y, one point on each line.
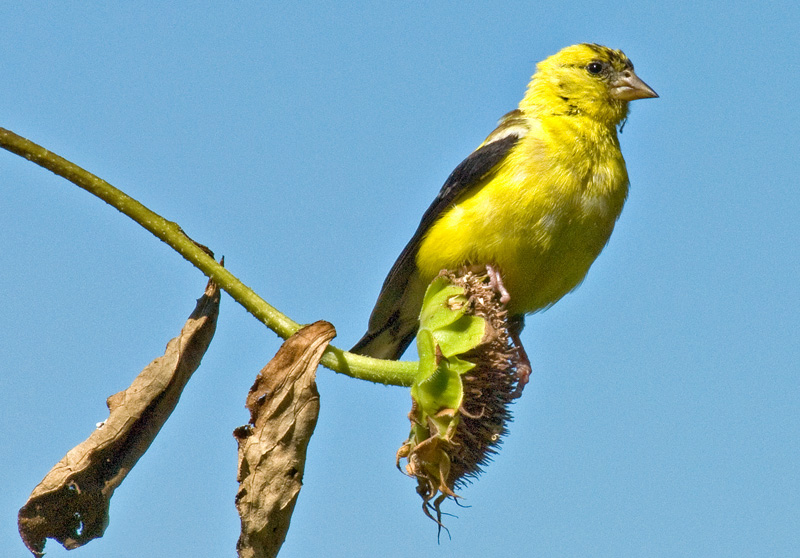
542	218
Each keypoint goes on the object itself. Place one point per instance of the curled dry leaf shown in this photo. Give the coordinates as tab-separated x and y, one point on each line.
284	405
71	503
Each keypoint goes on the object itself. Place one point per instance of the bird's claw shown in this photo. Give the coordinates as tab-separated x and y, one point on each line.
523	376
523	366
496	282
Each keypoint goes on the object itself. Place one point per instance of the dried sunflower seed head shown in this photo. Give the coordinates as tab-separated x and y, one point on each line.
466	382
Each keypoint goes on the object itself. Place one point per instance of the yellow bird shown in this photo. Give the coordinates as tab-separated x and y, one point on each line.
535	203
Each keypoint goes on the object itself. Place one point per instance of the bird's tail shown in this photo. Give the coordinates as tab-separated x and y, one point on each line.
394	320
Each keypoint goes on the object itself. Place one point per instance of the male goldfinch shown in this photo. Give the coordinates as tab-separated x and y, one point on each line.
534	205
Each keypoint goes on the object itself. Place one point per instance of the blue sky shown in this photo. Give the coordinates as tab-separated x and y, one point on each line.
303	143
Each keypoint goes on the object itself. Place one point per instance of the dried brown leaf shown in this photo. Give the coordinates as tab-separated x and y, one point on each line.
71	503
283	404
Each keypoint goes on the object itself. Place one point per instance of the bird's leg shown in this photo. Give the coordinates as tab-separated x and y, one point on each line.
515	325
496	282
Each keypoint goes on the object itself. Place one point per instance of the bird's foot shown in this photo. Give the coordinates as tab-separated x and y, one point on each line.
523	376
523	367
496	282
515	328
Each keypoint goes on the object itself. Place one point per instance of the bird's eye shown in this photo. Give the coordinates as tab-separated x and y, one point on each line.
595	68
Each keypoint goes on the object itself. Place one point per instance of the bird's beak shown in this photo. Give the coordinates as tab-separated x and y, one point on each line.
628	87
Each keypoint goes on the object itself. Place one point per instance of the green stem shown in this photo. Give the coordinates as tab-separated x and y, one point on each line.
374	370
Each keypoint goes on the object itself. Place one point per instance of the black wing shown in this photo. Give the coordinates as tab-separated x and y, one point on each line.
395	318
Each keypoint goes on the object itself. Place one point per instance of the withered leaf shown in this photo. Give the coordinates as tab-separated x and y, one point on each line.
71	503
284	405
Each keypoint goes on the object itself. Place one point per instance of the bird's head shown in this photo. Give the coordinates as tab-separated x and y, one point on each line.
586	79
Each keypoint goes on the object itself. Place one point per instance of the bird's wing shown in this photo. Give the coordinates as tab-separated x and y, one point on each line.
395	318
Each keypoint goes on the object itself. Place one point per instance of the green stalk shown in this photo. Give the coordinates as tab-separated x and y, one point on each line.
400	373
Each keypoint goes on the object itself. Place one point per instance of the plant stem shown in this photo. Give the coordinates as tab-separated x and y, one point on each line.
364	368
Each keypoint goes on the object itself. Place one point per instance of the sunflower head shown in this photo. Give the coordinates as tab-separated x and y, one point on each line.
466	382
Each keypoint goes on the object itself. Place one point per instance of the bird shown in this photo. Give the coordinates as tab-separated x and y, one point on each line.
533	205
